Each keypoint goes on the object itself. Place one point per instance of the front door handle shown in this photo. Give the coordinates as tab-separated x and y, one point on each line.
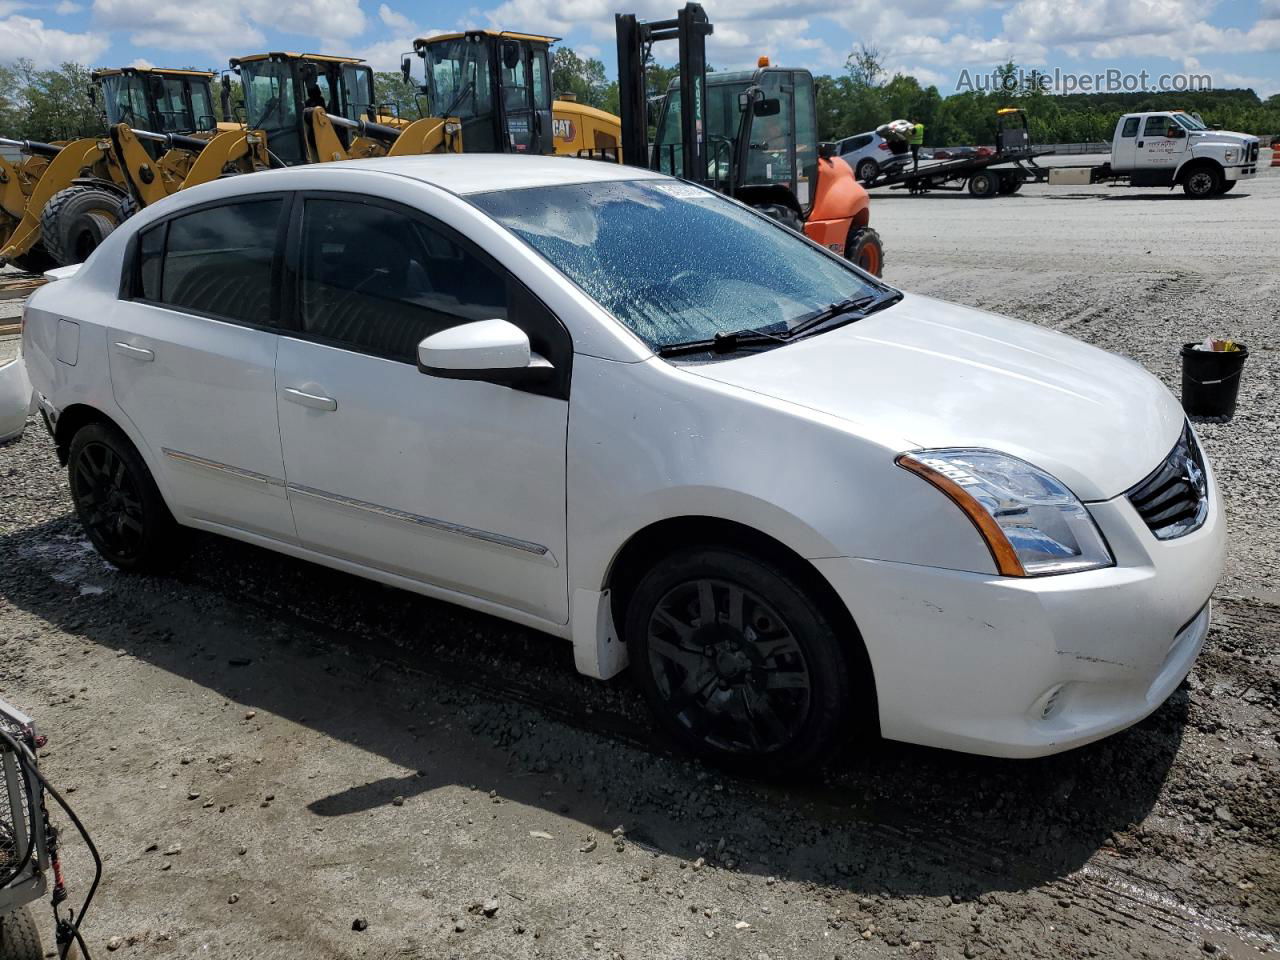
137	353
312	400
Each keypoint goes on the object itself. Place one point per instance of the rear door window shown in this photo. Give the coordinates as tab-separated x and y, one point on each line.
1130	128
217	261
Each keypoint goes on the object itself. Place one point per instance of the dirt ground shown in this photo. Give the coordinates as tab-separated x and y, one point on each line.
269	753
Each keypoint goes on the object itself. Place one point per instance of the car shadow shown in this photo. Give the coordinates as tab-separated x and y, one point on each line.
457	697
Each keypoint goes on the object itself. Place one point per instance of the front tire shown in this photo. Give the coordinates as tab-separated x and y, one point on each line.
867	170
117	500
76	220
739	662
1202	182
865	249
19	936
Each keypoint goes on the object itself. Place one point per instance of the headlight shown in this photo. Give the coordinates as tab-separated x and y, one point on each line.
1230	156
1032	524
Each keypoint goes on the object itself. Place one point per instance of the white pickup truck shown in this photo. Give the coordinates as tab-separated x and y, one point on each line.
1168	148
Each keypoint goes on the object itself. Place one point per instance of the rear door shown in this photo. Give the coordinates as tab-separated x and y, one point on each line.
454	483
1124	150
192	349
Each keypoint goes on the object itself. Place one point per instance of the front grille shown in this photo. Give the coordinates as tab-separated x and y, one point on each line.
1174	499
1253	150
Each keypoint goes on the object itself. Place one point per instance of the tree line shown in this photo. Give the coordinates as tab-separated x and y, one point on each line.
55	104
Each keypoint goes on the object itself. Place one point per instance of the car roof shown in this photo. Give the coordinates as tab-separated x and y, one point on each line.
465	173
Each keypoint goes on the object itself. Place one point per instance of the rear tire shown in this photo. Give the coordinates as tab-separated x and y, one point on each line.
1010	183
1202	182
865	249
984	183
19	936
117	500
740	664
77	220
867	170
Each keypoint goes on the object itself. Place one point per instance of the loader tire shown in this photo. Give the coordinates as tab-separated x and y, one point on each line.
77	220
36	260
19	936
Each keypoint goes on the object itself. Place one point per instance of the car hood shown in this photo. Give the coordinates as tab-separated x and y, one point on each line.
1221	136
940	375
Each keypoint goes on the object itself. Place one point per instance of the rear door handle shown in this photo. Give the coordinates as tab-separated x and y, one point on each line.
312	400
129	350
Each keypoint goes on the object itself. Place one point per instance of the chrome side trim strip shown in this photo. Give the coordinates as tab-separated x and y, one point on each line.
459	529
240	472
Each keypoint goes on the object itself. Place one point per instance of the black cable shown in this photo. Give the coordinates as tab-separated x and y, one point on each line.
84	834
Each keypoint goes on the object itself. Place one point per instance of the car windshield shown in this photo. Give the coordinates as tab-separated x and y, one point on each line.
675	262
1190	122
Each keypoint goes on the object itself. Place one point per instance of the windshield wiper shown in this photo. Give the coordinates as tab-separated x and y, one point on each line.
859	305
722	342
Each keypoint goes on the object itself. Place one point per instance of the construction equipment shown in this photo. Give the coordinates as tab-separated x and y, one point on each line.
60	202
315	108
750	134
498	84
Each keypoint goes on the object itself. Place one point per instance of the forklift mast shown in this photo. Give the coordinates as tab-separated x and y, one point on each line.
635	39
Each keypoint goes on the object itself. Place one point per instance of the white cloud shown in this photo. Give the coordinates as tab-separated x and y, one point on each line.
45	46
142	63
394	19
227	26
67	7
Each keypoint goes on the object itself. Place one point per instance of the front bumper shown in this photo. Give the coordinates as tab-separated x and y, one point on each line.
1016	667
1245	171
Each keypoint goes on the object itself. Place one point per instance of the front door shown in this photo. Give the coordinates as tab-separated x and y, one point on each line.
458	484
192	357
1160	147
515	82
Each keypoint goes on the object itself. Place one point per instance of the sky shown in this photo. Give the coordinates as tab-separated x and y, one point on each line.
949	43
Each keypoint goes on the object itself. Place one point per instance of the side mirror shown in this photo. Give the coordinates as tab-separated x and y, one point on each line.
767	108
510	54
495	351
1176	133
406	69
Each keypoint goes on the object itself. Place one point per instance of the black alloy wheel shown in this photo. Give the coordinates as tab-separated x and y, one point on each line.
117	500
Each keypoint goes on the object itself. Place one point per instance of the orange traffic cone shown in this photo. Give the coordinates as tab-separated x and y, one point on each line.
1275	155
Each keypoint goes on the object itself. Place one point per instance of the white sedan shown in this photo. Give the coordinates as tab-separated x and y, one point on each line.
629	412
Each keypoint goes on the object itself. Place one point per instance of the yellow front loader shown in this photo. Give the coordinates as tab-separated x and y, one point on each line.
316	108
58	204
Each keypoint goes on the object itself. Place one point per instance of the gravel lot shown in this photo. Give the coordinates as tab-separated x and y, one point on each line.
268	752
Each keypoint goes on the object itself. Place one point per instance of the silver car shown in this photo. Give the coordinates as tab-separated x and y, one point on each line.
870	155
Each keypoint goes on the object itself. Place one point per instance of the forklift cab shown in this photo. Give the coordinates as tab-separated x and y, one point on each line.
279	87
162	101
497	84
761	132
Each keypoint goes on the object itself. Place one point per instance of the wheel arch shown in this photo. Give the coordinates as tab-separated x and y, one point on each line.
1196	163
661	538
71	420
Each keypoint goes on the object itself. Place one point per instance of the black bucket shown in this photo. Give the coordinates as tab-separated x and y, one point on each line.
1211	381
